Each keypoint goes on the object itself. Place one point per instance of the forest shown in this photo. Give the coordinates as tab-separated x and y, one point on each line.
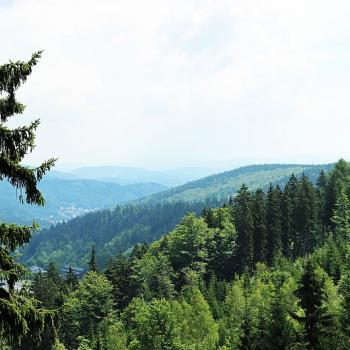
147	219
265	270
241	260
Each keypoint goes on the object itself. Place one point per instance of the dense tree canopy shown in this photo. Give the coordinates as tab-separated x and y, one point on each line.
269	270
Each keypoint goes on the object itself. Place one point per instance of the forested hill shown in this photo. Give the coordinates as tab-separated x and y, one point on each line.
112	230
124	226
225	184
69	197
270	270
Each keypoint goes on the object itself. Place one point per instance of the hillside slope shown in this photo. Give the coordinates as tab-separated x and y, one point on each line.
67	198
148	219
221	186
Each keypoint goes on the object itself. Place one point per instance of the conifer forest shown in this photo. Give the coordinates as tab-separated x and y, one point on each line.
250	256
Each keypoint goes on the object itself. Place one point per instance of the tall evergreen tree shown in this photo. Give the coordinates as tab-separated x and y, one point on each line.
93	260
18	313
330	199
306	224
260	232
50	288
118	272
274	225
341	217
290	215
315	300
71	279
321	186
280	330
245	227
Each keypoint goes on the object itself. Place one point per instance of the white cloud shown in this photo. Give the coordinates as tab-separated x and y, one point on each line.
167	83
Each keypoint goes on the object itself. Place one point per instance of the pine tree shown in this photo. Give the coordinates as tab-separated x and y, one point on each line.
18	313
274	228
321	186
245	227
290	216
306	224
208	216
280	331
330	200
260	233
247	337
49	288
287	209
71	279
316	301
341	217
93	262
118	273
310	294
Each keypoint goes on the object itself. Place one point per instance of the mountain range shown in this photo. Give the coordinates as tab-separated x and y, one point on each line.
130	175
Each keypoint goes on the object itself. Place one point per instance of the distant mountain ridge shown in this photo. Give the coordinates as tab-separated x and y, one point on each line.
128	175
147	219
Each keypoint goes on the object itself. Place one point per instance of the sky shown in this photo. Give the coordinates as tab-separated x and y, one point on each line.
161	84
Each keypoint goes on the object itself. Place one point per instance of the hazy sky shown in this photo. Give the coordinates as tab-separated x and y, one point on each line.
186	82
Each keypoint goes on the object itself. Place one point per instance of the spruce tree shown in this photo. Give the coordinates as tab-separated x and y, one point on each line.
18	313
280	331
341	217
290	215
71	279
321	185
287	209
260	233
93	261
274	228
245	227
315	299
330	199
307	223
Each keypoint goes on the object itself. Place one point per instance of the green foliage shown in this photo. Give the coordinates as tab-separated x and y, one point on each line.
154	275
84	344
119	229
245	228
213	282
18	312
71	280
197	327
153	325
228	183
85	309
118	272
186	245
93	260
58	346
147	220
112	335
